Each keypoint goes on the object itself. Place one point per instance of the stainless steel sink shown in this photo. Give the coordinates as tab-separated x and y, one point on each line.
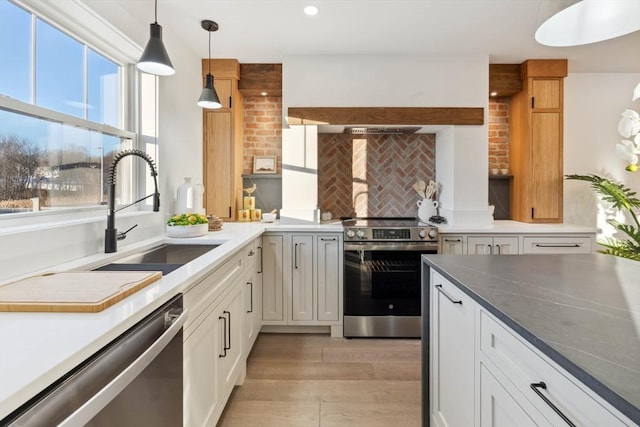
165	258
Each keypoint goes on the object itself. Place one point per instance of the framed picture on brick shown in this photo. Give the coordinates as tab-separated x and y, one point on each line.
264	164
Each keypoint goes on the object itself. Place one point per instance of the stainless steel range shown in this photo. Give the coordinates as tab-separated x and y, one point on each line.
382	290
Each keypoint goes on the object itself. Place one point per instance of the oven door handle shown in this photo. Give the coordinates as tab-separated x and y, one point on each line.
385	246
100	400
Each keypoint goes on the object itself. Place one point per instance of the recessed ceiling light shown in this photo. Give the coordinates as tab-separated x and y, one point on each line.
590	21
311	10
263	93
494	93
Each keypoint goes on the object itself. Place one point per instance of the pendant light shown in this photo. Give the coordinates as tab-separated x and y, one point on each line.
155	59
209	97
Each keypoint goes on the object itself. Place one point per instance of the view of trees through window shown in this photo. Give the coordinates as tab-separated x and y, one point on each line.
61	163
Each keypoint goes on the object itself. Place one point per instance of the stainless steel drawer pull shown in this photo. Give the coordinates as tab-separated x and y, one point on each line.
542	385
568	245
447	296
251	295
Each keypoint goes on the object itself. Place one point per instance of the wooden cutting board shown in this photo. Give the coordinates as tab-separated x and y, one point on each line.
81	291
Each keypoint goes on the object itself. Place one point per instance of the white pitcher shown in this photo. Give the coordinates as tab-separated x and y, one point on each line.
427	209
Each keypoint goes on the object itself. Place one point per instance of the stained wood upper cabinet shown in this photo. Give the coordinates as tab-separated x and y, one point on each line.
222	142
536	118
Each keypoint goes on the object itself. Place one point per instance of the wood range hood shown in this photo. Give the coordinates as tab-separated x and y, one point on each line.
385	119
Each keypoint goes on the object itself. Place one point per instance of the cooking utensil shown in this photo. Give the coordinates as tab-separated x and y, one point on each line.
418	190
431	189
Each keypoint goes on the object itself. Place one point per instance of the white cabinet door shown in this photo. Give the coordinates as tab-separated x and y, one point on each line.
201	398
453	245
230	315
480	245
499	408
453	354
328	281
492	245
302	276
272	278
505	245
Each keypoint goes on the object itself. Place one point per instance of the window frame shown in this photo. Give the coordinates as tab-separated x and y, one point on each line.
92	32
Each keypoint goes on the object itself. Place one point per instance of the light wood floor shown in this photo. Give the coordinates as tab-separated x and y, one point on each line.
313	380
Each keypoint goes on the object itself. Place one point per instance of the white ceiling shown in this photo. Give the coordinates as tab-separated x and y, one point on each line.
266	31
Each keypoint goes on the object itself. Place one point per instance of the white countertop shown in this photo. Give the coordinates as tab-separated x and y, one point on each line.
38	348
515	227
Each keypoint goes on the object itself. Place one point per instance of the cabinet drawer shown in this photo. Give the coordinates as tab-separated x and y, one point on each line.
524	366
557	245
204	293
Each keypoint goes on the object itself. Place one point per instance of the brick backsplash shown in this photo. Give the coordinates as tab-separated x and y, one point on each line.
372	175
262	130
499	133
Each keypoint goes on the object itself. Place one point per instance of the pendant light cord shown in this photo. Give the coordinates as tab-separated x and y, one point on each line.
156	12
209	51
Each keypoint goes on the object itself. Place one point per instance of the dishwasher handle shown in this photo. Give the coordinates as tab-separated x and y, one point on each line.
100	400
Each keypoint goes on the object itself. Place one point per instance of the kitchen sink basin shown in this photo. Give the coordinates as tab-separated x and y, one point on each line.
165	258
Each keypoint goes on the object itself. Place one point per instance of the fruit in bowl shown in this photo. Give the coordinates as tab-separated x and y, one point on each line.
187	225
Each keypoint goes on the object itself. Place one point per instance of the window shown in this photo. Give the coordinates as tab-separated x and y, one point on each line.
61	117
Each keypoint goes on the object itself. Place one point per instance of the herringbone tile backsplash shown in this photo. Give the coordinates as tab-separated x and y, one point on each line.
372	175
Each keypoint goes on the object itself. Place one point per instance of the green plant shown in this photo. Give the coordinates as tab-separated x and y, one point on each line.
624	199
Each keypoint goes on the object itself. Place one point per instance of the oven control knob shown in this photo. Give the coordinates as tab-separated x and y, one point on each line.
433	234
422	234
350	234
360	234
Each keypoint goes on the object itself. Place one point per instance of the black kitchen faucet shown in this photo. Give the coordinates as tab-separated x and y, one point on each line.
111	235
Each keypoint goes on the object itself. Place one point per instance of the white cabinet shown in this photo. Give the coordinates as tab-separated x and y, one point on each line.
201	398
230	367
492	245
272	278
500	408
218	336
252	291
453	245
482	373
329	277
557	245
302	278
452	354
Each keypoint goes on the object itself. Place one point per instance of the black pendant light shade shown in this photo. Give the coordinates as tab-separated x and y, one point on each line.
155	59
209	97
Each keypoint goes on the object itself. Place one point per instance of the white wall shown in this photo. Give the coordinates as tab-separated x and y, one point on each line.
406	81
592	107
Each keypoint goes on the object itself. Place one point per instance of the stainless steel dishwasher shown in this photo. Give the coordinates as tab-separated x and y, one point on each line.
136	380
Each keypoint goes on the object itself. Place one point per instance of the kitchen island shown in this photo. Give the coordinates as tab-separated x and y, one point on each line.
581	313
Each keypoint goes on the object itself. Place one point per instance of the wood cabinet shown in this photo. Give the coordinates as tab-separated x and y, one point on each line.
536	140
492	245
452	355
222	142
302	280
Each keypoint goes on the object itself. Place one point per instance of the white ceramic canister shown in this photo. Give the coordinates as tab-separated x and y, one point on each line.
189	197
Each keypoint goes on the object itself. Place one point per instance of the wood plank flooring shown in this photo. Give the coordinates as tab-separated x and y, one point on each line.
313	380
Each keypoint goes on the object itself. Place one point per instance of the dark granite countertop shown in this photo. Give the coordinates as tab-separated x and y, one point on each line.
582	311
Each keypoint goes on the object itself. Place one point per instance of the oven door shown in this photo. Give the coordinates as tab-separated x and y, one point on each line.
383	278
